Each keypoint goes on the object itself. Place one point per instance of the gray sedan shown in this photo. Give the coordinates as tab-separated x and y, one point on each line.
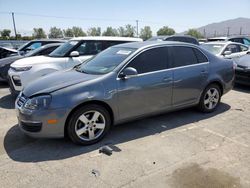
123	83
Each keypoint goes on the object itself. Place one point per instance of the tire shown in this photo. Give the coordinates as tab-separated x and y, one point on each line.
210	98
88	124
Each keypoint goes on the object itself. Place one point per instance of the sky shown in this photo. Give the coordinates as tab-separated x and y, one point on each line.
181	15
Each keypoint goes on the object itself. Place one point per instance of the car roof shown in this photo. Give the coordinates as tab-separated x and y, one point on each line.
169	36
51	45
107	38
146	44
48	40
224	42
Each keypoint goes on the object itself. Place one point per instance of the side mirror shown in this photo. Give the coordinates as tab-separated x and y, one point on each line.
227	53
128	72
74	54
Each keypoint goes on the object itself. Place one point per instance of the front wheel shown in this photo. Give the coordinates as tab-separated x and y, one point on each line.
88	124
210	98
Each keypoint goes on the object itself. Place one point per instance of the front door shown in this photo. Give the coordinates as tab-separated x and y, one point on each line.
151	90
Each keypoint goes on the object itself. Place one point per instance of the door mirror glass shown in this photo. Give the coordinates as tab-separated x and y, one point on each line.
227	52
128	72
74	54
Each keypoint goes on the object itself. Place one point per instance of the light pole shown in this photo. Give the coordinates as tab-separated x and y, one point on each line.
14	24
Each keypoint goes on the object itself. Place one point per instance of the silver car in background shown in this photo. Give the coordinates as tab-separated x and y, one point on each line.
123	83
228	50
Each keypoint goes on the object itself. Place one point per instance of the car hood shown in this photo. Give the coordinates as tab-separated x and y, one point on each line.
243	61
56	81
29	61
9	60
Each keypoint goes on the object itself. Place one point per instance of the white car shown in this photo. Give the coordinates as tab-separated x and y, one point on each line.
68	55
228	50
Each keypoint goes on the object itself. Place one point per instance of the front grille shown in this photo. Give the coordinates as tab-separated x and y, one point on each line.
21	100
31	127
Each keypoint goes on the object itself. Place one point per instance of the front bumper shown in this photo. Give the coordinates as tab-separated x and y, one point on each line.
35	123
242	76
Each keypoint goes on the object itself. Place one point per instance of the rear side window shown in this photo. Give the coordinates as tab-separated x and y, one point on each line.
183	56
246	41
200	56
151	60
243	48
233	48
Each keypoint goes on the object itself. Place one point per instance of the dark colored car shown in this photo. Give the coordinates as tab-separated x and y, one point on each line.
123	83
178	38
242	72
27	47
6	62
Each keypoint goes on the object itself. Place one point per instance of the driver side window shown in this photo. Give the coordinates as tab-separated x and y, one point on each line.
90	48
151	60
233	48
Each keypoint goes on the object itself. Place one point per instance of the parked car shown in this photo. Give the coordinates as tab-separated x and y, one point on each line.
122	83
6	52
66	56
227	50
179	38
27	47
6	62
242	72
238	39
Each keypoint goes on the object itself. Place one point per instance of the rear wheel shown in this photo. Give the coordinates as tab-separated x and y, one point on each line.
88	124
210	98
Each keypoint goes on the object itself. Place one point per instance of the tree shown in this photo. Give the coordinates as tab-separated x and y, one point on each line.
194	33
165	31
78	32
55	32
121	31
129	31
110	32
5	33
94	31
146	33
39	33
68	32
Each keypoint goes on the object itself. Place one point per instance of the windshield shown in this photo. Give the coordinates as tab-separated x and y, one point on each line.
105	61
213	48
63	49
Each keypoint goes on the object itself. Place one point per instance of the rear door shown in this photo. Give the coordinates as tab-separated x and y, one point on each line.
190	71
151	90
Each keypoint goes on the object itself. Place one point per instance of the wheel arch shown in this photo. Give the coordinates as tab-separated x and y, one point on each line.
96	102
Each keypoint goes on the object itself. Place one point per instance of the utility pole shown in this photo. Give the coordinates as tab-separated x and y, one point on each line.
215	33
204	33
137	25
228	31
240	30
14	24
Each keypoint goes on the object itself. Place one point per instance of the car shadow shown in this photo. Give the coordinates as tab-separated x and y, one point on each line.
7	102
3	84
25	149
242	88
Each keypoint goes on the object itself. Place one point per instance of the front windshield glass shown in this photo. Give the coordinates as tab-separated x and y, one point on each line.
213	48
105	61
62	50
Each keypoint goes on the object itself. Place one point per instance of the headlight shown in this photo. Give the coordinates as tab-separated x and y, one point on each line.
22	68
39	102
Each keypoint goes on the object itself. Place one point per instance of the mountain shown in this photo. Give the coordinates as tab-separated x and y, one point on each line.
234	27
